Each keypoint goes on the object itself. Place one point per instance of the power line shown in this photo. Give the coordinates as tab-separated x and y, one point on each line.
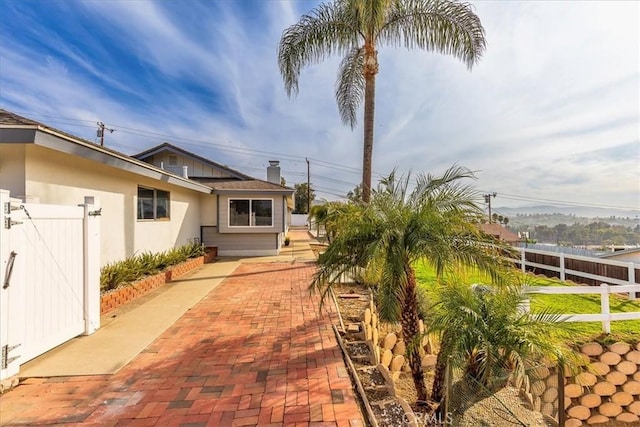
564	203
206	144
293	158
101	129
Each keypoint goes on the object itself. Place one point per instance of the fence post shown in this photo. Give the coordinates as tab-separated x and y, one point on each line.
91	249
523	258
632	279
562	416
13	369
562	273
604	308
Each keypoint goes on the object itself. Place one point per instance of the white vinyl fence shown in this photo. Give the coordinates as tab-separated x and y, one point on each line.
608	285
630	284
605	316
50	262
299	220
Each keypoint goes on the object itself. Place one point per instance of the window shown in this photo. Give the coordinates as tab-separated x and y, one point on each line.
250	213
153	204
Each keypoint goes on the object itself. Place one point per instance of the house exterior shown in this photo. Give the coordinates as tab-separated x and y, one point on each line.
148	202
250	216
629	254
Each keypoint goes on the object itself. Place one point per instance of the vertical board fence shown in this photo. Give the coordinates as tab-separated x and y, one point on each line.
580	269
49	256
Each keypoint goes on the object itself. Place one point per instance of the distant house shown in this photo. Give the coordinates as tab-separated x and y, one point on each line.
250	216
153	201
630	255
499	232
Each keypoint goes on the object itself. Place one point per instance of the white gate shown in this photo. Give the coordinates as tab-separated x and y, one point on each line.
50	277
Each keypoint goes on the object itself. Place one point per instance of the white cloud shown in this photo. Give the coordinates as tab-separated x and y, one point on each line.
543	114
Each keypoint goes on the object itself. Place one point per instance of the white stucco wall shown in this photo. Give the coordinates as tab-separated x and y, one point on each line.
60	178
208	209
12	163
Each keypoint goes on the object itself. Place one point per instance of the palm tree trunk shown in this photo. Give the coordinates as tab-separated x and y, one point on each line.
410	333
370	71
437	392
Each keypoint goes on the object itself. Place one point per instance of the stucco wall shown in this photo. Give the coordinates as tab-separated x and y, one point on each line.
12	161
64	179
208	210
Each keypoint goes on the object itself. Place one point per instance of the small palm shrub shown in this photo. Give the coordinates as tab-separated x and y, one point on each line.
487	335
135	267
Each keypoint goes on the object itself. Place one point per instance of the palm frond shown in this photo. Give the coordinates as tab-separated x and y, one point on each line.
446	26
327	30
350	85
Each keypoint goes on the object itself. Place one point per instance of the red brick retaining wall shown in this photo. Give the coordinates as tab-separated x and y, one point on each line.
125	294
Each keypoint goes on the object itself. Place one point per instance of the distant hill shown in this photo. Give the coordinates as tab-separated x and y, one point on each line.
585	212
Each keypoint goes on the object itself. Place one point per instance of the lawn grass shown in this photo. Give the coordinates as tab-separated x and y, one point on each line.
578	332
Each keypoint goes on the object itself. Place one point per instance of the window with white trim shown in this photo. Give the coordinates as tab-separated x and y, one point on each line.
153	204
250	212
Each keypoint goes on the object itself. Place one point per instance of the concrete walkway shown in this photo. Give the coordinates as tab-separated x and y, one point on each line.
253	351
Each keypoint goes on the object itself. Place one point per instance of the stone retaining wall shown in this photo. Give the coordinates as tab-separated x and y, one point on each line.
609	387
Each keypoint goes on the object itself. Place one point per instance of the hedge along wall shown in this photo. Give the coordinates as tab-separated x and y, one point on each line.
124	294
608	389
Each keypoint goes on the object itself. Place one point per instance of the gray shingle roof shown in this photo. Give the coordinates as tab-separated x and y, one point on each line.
244	185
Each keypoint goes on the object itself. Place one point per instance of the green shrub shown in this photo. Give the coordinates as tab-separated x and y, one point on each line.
135	267
117	273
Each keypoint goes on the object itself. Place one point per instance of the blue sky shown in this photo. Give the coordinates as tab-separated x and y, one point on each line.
551	112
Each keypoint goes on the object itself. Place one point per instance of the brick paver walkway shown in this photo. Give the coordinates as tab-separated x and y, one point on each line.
255	351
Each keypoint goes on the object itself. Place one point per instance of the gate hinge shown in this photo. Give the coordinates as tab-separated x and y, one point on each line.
4	362
8	223
8	208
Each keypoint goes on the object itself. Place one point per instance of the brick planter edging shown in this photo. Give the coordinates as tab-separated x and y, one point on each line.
124	294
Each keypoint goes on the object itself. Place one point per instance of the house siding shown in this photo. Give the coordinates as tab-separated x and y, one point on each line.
626	257
117	190
278	214
195	168
12	169
255	244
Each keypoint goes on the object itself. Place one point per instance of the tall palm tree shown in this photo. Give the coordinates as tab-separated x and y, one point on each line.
355	29
431	223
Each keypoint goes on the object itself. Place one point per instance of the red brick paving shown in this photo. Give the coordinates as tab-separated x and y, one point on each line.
255	351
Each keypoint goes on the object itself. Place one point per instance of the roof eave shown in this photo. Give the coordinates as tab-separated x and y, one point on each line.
249	190
49	138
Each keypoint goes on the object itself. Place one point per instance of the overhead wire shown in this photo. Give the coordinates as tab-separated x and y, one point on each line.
202	143
293	158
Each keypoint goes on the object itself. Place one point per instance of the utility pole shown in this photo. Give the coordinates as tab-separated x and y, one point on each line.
101	129
487	200
308	187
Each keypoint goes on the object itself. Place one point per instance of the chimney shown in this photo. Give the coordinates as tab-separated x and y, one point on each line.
185	172
273	172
